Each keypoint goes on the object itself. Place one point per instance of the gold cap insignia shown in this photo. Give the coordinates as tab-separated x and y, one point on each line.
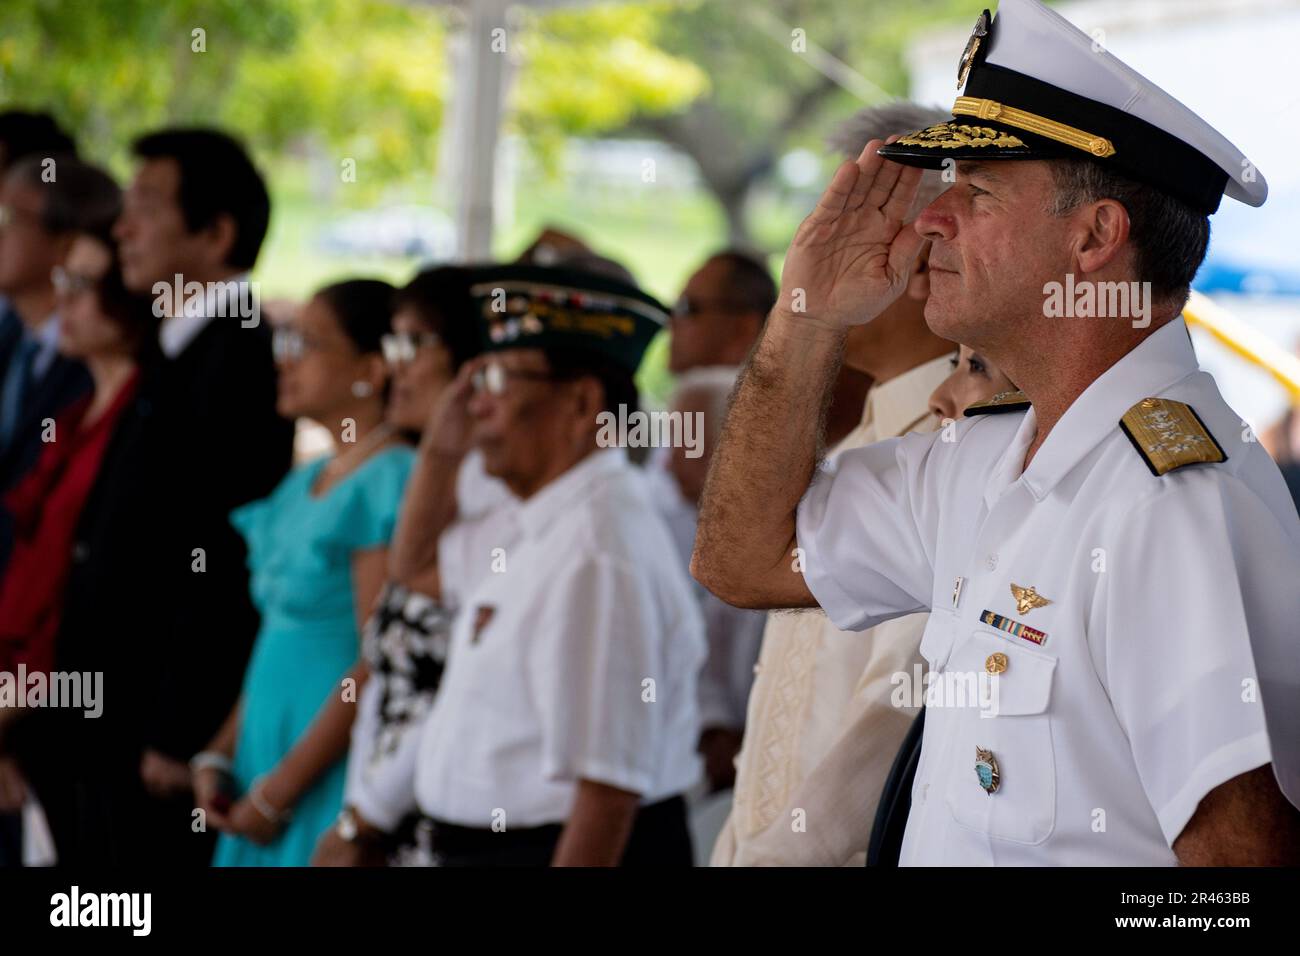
957	135
1169	435
977	36
1027	599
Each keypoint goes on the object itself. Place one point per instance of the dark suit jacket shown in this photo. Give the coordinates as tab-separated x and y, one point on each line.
63	383
202	438
11	328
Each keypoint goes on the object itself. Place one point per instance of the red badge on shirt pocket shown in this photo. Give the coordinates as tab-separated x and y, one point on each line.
482	618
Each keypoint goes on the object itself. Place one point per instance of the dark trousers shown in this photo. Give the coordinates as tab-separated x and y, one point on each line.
660	837
11	839
97	809
886	845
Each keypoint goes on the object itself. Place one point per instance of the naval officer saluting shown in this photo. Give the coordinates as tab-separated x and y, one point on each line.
1109	550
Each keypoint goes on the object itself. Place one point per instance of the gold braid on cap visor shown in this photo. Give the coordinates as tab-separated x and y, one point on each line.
1098	146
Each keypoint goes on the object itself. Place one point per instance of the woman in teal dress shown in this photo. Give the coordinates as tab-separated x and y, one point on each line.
272	778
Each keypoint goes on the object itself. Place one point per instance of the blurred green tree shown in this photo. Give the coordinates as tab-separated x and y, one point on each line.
782	74
362	79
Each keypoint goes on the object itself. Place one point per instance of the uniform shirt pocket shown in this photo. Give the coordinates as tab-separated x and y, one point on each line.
1011	720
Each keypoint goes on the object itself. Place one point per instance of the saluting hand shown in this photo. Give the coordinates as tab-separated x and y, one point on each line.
448	430
850	259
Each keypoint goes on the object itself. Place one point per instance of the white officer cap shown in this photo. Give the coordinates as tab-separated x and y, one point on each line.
1034	86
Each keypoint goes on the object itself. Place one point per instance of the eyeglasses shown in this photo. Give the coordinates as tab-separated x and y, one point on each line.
9	216
402	347
68	284
493	377
289	344
685	307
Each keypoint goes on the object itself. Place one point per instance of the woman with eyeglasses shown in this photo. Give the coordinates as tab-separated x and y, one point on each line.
111	331
435	332
272	778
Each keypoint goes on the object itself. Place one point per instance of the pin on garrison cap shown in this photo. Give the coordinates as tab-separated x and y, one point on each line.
1034	86
541	307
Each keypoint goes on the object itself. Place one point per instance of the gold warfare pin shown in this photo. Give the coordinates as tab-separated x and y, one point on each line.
1027	598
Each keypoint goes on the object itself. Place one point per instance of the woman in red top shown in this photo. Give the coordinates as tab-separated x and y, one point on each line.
105	327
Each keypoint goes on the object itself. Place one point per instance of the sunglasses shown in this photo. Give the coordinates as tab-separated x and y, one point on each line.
401	347
494	378
686	306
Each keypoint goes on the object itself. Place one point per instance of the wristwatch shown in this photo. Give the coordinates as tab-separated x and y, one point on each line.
353	828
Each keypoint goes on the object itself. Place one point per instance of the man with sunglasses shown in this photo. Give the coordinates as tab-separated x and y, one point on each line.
720	312
564	729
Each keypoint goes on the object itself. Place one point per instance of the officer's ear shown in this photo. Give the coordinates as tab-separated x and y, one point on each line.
1103	233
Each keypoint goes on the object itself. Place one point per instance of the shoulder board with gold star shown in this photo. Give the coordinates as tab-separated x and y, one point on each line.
1169	435
1014	401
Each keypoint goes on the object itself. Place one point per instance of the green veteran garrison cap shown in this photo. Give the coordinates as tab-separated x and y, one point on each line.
544	307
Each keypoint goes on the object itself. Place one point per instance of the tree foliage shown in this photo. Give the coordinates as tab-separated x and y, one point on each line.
362	79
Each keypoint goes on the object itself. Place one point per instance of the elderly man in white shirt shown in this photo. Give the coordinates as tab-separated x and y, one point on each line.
565	727
1109	558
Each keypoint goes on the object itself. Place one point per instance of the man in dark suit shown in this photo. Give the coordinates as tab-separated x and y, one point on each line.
158	594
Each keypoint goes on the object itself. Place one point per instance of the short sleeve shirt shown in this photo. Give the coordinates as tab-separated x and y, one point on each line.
1084	730
574	655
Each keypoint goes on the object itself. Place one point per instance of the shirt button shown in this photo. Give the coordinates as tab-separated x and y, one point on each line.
925	791
991	562
757	669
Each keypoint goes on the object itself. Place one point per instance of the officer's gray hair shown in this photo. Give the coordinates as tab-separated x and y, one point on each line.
1169	238
883	121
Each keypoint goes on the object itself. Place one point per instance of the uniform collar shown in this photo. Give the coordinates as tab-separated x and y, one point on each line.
1162	359
898	405
560	496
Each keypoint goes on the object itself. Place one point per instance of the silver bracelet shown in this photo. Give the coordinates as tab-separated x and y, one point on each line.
210	760
259	803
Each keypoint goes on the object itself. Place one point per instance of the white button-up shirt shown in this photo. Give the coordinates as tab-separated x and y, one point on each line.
573	656
1145	693
192	316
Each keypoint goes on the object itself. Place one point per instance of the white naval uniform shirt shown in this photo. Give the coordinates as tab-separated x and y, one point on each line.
550	661
1142	698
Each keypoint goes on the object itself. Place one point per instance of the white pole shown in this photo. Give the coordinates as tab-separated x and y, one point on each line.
480	96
